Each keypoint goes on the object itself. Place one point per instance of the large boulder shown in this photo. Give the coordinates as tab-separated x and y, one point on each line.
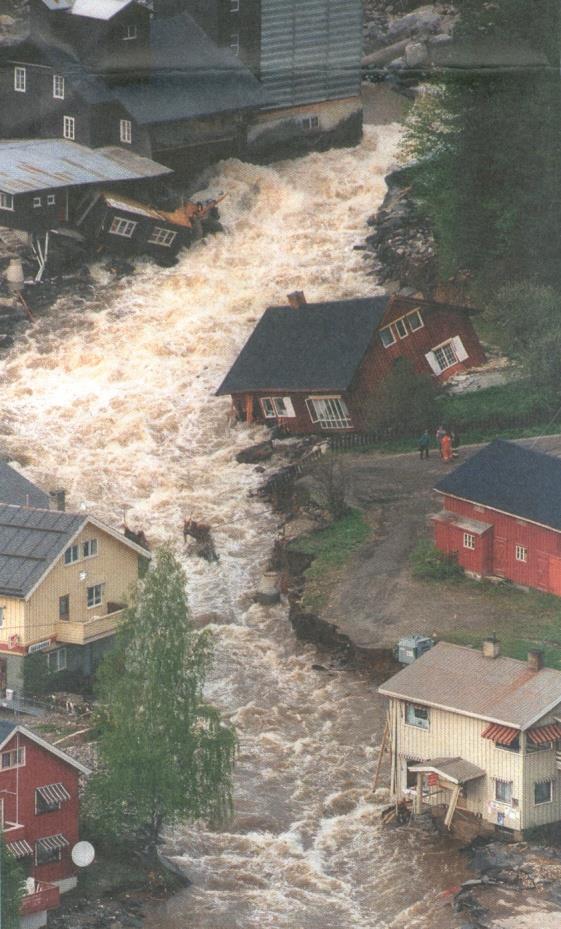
416	54
425	20
255	453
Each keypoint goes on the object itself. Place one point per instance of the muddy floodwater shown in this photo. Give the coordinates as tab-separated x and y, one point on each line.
112	399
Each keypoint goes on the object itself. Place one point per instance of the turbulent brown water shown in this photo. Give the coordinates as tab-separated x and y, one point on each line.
112	399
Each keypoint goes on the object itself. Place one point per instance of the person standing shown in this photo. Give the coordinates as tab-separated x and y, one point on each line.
446	447
424	445
440	433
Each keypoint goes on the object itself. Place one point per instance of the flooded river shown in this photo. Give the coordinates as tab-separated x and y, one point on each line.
112	398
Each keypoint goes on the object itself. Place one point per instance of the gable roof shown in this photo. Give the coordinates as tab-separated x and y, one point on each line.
9	729
42	164
318	346
510	478
461	680
99	9
32	540
17	489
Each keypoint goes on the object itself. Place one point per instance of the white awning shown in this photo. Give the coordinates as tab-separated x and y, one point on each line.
53	793
19	849
51	842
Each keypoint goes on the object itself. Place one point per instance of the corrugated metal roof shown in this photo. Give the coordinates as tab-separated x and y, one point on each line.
42	164
17	489
460	679
457	770
463	522
30	540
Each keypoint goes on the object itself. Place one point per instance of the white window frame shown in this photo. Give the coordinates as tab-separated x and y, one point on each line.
58	87
267	407
469	541
51	200
415	314
508	785
89	548
235	43
234	6
37	202
20	79
6	201
161	236
310	123
123	227
49	807
125	131
60	656
96	597
16	758
417	722
397	323
549	799
69	128
63	617
521	554
72	554
130	32
448	355
283	407
391	333
56	855
329	412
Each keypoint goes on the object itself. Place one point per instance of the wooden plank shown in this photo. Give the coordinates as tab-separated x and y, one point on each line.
452	806
381	755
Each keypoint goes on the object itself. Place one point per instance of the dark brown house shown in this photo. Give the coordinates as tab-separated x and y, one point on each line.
313	367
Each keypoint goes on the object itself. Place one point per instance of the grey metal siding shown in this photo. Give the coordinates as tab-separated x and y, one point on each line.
310	50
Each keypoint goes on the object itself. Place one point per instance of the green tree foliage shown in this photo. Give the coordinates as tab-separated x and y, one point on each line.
403	403
487	145
165	753
11	889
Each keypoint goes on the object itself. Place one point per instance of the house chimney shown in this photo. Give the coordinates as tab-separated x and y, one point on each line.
535	659
58	500
491	647
297	299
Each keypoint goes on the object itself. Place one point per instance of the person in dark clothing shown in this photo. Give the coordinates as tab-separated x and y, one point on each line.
424	444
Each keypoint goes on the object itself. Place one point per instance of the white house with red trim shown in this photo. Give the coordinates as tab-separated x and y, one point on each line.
476	738
39	808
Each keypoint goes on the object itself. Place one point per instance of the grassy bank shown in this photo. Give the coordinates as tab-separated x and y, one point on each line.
331	548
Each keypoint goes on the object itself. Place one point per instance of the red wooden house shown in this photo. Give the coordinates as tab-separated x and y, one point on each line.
313	366
39	806
502	516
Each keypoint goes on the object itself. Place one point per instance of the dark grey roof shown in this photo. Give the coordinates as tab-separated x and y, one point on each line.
316	347
511	478
17	489
189	77
6	729
30	541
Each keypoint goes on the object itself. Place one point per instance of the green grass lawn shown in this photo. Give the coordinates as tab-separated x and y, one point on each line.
331	548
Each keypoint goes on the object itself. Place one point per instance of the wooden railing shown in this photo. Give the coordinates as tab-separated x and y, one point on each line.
46	897
96	628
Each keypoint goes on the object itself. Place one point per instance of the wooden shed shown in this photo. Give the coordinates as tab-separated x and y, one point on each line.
502	516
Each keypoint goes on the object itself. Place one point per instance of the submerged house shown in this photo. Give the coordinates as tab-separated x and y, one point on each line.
64	579
502	516
313	367
475	738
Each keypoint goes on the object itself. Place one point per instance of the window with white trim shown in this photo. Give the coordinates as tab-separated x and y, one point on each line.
71	554
6	201
445	356
387	336
234	6
310	122
235	42
521	553
58	86
161	236
94	595
543	792
45	806
20	79
37	202
13	759
56	661
329	412
89	548
64	607
125	131
51	200
69	128
415	320
124	227
277	407
469	540
401	328
44	855
416	715
130	32
268	407
503	791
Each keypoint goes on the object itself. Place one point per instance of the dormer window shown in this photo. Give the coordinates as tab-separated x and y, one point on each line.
130	32
20	80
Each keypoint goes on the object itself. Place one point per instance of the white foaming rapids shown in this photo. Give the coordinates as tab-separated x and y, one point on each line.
113	400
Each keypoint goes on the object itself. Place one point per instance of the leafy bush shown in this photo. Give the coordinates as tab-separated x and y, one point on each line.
429	563
404	403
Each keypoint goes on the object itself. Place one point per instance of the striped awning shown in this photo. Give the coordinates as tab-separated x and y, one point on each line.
51	842
53	793
542	734
19	849
503	734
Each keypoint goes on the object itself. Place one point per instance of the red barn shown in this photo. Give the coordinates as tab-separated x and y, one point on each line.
502	516
313	366
39	807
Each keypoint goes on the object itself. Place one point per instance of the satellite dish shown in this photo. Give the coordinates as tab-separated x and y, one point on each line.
83	854
30	885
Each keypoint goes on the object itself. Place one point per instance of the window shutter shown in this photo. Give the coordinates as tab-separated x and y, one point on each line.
431	358
459	349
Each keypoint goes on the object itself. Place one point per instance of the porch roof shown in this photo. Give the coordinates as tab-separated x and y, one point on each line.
455	770
474	526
